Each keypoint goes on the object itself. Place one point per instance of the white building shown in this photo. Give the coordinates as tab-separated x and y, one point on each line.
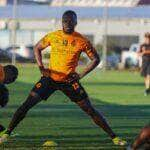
34	21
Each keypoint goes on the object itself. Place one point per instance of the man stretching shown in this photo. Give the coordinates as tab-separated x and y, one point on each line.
66	47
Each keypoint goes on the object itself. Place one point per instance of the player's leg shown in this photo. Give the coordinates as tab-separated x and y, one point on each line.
148	77
146	74
149	80
143	138
42	90
19	115
78	95
147	85
96	116
21	112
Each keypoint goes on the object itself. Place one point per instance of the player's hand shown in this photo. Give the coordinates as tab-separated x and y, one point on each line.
73	77
140	53
44	71
143	52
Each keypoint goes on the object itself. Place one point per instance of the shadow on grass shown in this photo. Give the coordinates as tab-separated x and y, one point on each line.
71	110
123	118
113	84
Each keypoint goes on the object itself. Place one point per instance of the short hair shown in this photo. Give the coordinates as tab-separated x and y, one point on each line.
11	73
70	13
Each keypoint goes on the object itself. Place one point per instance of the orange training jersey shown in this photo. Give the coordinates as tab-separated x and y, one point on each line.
65	52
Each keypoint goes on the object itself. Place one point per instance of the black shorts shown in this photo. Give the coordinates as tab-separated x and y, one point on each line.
46	86
145	66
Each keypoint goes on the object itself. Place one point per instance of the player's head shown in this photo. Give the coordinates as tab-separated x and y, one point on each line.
69	21
147	38
11	74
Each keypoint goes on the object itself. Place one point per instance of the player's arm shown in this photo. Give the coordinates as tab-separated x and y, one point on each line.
94	61
142	51
139	52
39	47
146	52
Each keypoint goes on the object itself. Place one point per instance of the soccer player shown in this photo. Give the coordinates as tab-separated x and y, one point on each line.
66	47
143	140
8	74
145	53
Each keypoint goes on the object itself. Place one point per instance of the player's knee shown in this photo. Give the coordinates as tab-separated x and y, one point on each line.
87	107
33	95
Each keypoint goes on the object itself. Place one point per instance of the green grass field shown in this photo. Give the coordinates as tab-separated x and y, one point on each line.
119	95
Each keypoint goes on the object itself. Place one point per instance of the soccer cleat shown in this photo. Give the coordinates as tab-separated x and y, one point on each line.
50	144
3	132
118	141
4	138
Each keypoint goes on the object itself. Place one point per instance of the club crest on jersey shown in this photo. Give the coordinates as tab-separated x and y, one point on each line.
38	85
65	42
57	41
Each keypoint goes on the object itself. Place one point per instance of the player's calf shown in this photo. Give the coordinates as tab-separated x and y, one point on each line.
21	112
98	118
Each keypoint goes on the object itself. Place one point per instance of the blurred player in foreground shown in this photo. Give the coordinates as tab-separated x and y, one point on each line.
8	74
66	47
142	142
145	53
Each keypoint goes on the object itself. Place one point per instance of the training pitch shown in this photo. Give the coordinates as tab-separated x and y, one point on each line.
119	95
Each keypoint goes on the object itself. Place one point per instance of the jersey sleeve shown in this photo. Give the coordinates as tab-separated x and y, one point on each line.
46	40
89	49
